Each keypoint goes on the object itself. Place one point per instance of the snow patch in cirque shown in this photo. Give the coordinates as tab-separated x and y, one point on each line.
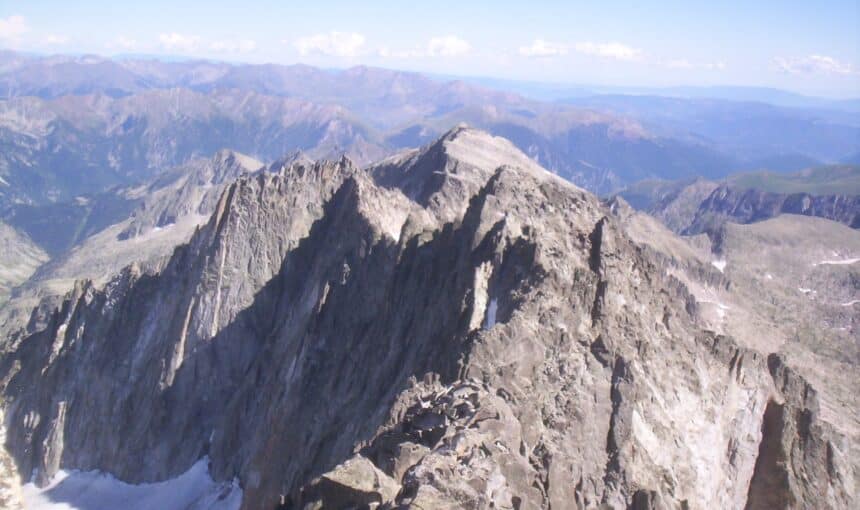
490	321
719	264
839	262
94	490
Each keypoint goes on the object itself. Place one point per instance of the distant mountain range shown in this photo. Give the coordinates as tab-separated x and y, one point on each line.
759	135
80	125
564	91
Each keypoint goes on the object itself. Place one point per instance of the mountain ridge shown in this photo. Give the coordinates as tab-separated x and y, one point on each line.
525	353
701	205
85	136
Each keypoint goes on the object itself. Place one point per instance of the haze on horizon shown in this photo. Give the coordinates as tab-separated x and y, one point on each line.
810	48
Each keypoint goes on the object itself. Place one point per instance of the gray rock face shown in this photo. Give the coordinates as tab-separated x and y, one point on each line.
452	328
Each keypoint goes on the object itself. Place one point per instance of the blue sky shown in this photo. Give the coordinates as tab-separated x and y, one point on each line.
809	47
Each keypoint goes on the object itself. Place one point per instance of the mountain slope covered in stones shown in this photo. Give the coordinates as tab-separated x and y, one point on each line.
452	327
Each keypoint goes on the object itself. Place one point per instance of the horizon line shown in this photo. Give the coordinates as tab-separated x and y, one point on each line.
588	89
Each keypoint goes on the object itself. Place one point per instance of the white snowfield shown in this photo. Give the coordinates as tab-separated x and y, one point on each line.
93	490
719	264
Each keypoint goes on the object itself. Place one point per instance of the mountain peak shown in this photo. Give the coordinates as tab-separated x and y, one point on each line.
231	157
444	174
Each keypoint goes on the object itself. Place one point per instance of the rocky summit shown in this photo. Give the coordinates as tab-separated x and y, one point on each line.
452	327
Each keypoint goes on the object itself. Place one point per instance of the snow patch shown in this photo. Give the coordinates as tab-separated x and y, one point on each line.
479	305
160	228
768	276
804	290
838	262
719	264
852	302
94	490
490	321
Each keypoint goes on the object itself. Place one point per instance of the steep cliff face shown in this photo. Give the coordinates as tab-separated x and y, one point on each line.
452	328
749	205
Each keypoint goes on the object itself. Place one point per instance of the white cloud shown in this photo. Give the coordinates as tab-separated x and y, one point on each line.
179	42
679	64
612	50
448	46
233	46
123	43
56	40
813	64
388	53
686	64
540	48
332	44
13	27
443	46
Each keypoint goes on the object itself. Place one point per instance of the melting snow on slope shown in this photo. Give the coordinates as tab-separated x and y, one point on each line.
93	490
719	264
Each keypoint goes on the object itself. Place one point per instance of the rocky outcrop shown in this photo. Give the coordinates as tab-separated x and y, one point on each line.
452	328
